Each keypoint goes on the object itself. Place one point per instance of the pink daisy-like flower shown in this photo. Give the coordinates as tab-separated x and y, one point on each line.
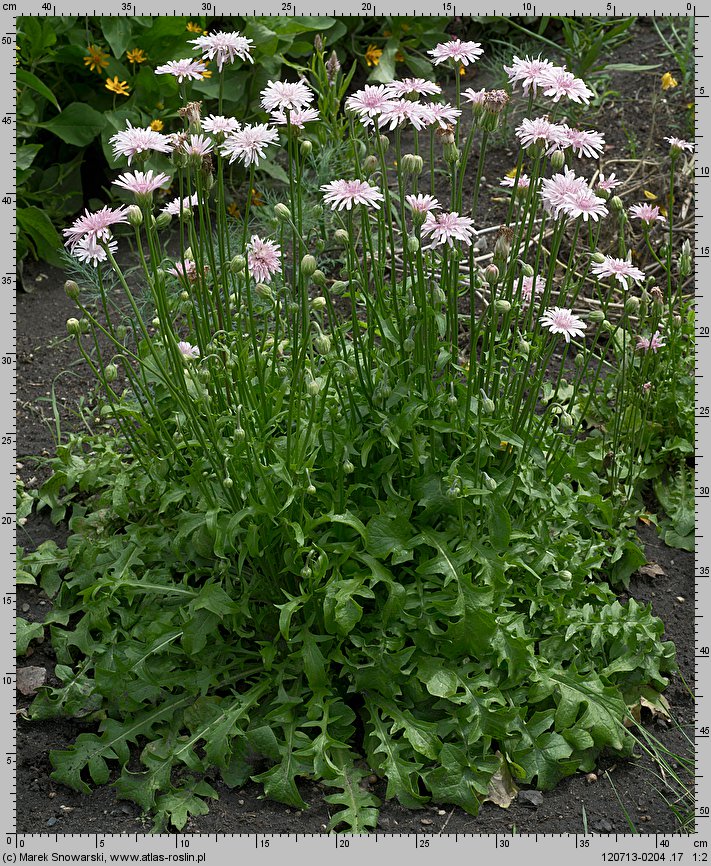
607	183
94	226
541	131
89	250
444	114
186	270
558	82
445	228
197	145
457	51
475	97
296	118
399	111
176	206
560	320
585	142
142	183
622	270
187	68
219	125
286	96
345	193
679	144
187	350
524	182
249	143
644	344
557	191
647	387
529	71
134	140
414	85
648	213
369	101
530	288
263	259
584	203
224	47
423	203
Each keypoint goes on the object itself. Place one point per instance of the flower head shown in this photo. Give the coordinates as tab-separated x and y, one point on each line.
668	81
192	145
419	86
116	86
582	202
398	111
644	344
445	228
187	350
457	51
342	194
558	82
560	320
529	72
584	142
524	181
156	125
622	270
134	140
370	101
224	47
443	113
249	143
97	59
94	226
296	118
607	183
648	213
423	204
90	250
372	55
142	183
541	131
187	270
263	259
177	206
217	124
187	68
529	289
475	97
678	144
136	55
286	96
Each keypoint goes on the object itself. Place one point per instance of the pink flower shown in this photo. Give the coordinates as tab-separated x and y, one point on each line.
622	270
443	113
192	145
457	51
585	142
529	71
524	182
88	249
475	97
607	184
94	226
423	203
142	184
297	118
647	387
187	350
541	131
223	47
644	344
176	206
445	228
249	143
414	85
345	193
560	320
398	111
192	70
134	140
187	270
370	101
529	288
558	191
558	82
217	124
286	95
263	258
648	213
678	144
584	203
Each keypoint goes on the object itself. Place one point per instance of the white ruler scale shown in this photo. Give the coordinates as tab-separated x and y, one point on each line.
322	848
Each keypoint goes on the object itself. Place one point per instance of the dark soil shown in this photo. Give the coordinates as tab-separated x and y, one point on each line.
47	363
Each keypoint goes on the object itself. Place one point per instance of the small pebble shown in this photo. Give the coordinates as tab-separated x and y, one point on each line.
372	779
425	822
441	811
240	802
591	778
52	821
25	607
680	599
644	818
52	795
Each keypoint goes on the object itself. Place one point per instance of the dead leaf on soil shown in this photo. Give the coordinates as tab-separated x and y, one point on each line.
652	569
29	679
657	705
502	790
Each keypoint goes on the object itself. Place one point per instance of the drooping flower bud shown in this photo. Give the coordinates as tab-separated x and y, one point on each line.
318	303
237	265
134	215
598	258
111	372
596	317
502	305
491	275
632	306
282	212
413	244
163	220
72	290
616	204
308	265
73	326
264	292
342	237
412	164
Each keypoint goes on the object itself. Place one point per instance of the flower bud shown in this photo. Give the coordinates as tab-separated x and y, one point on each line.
452	401
596	317
677	319
579	361
239	434
557	160
72	290
565	575
616	203
308	265
111	372
632	306
487	404
312	386
598	258
318	278
348	467
413	244
439	295
121	332
409	345
412	164
264	292
411	309
306	147
282	212
524	347
237	265
322	343
566	419
135	215
73	326
342	237
370	164
608	326
384	142
318	303
163	220
450	153
502	305
527	270
228	483
491	275
489	482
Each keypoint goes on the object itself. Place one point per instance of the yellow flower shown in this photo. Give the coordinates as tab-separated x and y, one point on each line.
116	86
668	81
233	210
462	70
650	196
97	59
373	55
399	57
156	125
257	200
207	73
193	28
136	55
